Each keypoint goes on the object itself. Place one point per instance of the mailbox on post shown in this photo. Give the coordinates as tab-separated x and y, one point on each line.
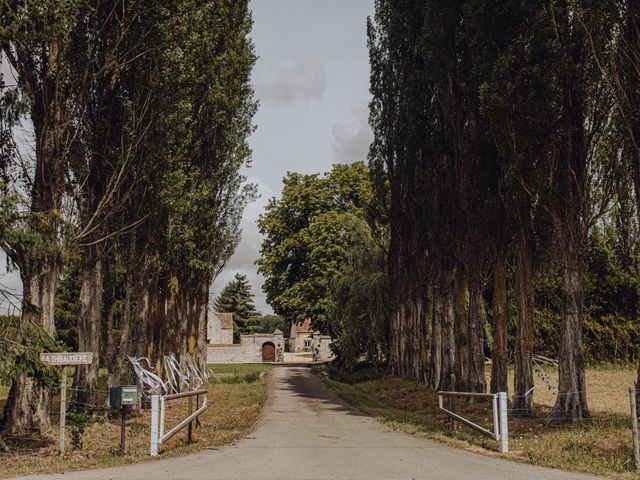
125	395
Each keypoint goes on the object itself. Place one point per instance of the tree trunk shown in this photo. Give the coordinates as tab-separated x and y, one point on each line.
571	403
499	353
197	328
184	322
173	334
113	378
89	321
193	317
116	358
435	351
408	318
460	327
140	321
27	407
629	98
29	400
475	335
523	381
157	296
203	312
141	335
447	372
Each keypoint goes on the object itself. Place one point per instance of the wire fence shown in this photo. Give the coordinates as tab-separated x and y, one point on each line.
92	402
37	440
556	431
609	403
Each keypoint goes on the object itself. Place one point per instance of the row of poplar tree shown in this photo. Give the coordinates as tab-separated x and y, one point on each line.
136	116
505	132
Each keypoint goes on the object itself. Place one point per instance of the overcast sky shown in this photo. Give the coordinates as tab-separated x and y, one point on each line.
312	82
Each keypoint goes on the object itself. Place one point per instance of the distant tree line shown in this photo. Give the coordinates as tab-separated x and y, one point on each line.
126	205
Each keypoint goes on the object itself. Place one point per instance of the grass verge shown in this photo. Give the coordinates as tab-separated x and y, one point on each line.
233	410
601	445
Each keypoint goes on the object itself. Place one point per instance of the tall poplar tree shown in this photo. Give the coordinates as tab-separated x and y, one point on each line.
35	38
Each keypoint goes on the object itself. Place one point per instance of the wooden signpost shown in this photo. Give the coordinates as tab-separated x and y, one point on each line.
64	359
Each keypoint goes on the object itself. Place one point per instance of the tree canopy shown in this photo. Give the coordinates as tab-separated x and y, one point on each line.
306	236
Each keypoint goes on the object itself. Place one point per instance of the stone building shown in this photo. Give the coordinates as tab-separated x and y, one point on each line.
303	338
254	348
220	329
260	347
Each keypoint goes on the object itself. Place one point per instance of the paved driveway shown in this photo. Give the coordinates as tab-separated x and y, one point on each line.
307	433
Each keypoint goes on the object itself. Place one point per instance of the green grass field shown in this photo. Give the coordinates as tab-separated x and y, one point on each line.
237	368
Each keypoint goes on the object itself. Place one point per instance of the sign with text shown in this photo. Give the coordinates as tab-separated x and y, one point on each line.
67	358
64	359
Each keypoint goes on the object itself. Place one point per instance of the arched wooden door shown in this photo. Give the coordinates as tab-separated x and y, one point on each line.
268	352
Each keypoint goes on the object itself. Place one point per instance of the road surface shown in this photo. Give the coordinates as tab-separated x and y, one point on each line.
307	433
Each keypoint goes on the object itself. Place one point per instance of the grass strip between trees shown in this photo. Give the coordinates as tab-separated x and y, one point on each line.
236	396
600	445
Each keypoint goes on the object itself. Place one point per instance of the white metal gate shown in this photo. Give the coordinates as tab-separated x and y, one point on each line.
158	407
500	431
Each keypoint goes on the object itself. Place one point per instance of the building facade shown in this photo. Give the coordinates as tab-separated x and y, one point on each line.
220	329
262	347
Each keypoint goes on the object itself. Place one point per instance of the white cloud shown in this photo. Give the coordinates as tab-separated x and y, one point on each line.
351	142
290	81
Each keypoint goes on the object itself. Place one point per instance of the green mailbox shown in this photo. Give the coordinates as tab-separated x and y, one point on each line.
124	395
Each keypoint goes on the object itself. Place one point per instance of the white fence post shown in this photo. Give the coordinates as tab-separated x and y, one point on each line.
155	401
634	427
161	415
504	427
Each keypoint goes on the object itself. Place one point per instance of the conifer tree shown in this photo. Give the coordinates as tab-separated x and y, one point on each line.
236	298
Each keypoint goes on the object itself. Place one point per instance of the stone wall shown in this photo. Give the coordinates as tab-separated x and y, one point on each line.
249	350
216	334
321	348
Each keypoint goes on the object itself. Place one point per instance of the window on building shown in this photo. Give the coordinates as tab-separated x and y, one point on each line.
307	343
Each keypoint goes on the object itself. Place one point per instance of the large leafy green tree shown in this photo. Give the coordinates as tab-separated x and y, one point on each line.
236	298
360	299
269	323
307	233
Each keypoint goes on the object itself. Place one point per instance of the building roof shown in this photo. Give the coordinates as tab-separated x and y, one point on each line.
226	320
304	327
